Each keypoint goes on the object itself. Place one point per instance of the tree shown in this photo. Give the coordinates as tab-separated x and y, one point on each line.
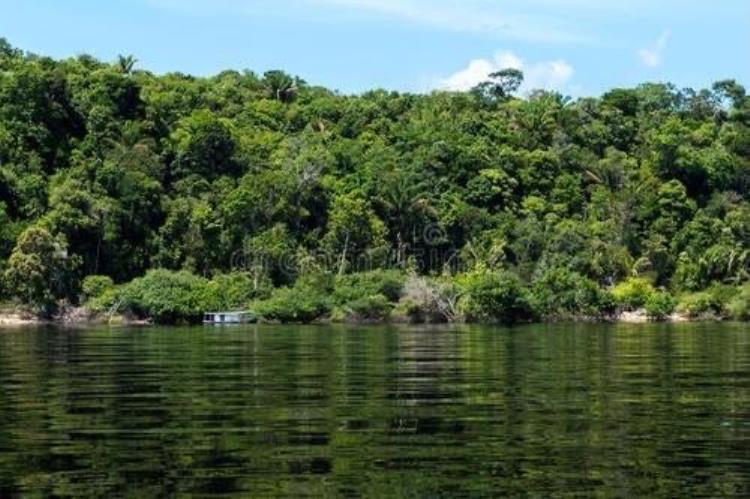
7	50
500	85
39	270
570	197
168	297
203	144
354	234
730	90
281	86
125	63
496	297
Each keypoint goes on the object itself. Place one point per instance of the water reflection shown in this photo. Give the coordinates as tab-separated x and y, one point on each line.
585	410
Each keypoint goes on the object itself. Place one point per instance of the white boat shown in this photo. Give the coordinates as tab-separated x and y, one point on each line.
219	318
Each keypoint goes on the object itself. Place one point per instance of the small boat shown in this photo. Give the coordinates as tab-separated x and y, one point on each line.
222	318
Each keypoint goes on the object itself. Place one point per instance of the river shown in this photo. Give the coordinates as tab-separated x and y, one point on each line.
254	411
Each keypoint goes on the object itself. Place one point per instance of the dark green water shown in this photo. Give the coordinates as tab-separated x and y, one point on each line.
321	411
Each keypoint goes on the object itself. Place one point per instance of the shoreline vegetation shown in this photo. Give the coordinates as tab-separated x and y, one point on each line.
82	317
18	320
382	297
131	197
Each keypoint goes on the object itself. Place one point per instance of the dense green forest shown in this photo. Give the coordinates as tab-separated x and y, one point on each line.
164	196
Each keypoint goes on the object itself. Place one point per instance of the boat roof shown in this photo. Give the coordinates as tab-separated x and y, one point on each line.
229	312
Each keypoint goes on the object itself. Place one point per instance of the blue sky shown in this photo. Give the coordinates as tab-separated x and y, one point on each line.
580	47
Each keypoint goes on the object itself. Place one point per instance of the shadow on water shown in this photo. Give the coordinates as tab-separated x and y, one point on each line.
310	411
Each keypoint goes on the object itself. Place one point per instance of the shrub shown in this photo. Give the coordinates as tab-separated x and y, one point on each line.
368	296
94	286
168	297
560	292
495	297
722	295
739	306
633	293
696	305
660	305
108	301
306	302
375	308
238	289
712	302
293	305
353	287
429	300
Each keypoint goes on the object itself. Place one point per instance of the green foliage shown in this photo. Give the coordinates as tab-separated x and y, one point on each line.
273	253
373	308
352	287
633	293
235	291
203	145
168	297
94	286
739	306
367	296
700	304
355	233
266	179
710	303
660	305
37	269
560	293
500	85
495	297
300	304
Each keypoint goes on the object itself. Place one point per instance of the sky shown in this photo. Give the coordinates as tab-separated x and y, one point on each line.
577	47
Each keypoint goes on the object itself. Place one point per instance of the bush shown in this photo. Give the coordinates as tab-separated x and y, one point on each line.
739	306
168	297
368	296
108	301
660	305
353	287
306	302
713	302
429	300
94	286
696	305
562	293
375	308
238	289
293	305
495	297
633	293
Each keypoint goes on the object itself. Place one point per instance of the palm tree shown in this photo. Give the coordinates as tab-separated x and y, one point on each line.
402	197
125	63
281	86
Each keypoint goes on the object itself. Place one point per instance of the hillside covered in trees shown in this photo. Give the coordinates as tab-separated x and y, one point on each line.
162	196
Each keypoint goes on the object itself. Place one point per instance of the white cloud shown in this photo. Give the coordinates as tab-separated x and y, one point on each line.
653	56
548	75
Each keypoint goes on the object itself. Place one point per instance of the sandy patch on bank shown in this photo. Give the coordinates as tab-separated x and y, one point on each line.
640	317
15	320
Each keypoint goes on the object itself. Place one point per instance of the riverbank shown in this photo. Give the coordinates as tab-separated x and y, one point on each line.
17	320
82	317
72	317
